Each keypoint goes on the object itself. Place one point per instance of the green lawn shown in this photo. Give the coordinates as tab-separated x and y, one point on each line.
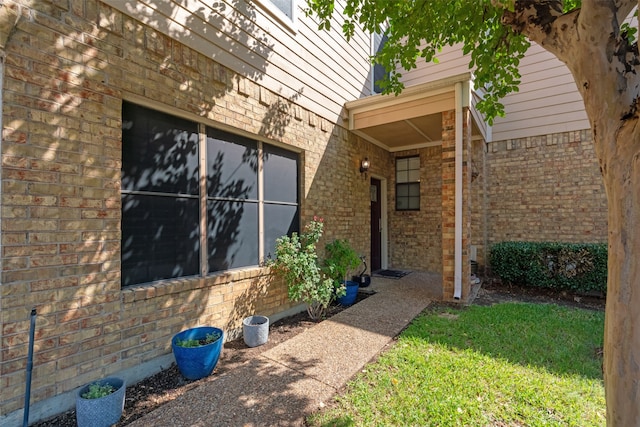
510	364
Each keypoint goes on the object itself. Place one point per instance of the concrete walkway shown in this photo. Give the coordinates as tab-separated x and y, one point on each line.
293	379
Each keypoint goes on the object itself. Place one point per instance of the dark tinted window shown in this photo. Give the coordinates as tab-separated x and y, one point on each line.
161	201
159	152
280	175
232	166
160	238
232	234
278	221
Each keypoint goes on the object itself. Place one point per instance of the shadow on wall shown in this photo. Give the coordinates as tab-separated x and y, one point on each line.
82	287
261	296
242	38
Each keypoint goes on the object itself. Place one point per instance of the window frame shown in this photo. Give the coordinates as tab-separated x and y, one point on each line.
408	184
291	23
292	167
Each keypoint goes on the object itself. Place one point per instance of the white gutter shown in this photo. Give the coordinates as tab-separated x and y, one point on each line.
457	272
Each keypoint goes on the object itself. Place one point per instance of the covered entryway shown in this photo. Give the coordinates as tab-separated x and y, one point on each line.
427	132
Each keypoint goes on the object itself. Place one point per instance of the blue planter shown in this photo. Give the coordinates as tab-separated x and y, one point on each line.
352	292
197	362
103	411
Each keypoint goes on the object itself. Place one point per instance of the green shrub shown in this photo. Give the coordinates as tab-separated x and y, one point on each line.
566	266
298	264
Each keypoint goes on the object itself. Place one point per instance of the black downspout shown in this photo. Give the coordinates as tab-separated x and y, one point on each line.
27	393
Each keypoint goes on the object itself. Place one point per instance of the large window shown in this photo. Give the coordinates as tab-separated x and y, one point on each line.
408	184
163	233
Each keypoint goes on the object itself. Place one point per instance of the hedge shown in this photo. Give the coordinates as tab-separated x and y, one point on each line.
567	266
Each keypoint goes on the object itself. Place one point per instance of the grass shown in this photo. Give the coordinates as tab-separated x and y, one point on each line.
510	364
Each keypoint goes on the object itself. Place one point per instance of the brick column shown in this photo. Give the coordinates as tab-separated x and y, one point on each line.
448	204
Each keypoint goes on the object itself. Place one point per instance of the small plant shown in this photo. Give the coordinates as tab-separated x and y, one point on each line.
190	343
97	390
297	262
340	259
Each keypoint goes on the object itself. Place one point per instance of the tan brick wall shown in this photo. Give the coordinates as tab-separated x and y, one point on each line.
69	65
67	72
544	188
416	236
479	194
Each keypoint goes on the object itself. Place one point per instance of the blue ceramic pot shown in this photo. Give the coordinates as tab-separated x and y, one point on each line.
197	362
352	292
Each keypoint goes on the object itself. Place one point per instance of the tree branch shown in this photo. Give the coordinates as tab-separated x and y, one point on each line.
597	11
536	20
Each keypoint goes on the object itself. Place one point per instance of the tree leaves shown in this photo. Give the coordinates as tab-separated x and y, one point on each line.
417	30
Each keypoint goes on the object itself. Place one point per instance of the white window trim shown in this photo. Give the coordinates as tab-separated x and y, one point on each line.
290	23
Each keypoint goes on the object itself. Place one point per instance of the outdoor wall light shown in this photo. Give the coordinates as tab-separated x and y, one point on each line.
364	165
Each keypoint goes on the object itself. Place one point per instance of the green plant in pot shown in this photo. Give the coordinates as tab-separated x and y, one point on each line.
100	404
297	263
197	350
340	260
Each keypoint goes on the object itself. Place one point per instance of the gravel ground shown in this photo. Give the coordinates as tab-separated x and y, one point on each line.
149	394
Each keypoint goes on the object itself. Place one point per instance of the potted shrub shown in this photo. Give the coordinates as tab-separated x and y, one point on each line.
297	263
197	351
340	260
100	404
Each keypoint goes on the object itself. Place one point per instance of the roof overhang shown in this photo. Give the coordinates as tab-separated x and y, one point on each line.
412	119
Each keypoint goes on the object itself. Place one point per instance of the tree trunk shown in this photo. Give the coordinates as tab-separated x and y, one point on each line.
622	321
604	65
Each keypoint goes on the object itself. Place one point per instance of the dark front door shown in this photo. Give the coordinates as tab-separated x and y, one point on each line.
376	226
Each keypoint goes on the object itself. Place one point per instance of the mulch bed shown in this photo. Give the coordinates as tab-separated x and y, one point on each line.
149	394
492	291
165	386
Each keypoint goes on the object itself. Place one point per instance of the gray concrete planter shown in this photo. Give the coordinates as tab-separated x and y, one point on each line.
255	330
103	411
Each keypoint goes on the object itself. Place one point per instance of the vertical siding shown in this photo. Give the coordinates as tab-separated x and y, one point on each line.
318	70
547	101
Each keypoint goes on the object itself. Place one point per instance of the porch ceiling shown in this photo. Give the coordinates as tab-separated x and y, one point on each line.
412	119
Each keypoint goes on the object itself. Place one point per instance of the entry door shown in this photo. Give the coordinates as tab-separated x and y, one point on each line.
376	225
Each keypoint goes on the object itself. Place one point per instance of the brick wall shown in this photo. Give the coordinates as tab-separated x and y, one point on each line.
416	241
545	188
479	198
69	66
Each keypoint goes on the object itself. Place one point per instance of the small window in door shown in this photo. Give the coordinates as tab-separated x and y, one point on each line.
408	184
